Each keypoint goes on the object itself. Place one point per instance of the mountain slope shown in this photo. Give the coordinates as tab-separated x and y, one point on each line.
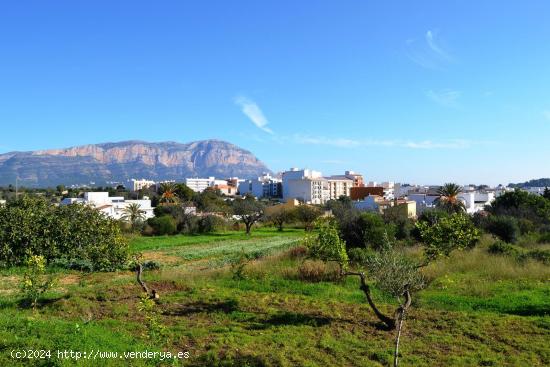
119	162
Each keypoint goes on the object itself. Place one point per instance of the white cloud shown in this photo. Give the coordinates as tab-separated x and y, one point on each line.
431	39
408	144
446	97
254	113
321	140
428	144
428	52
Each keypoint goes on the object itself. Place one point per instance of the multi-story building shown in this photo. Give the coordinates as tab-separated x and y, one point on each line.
112	206
201	184
357	178
339	185
264	186
305	185
142	184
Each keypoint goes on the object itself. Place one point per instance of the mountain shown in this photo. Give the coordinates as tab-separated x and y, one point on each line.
120	162
540	182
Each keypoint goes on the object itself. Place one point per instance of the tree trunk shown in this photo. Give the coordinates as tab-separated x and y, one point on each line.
152	294
390	323
400	316
248	226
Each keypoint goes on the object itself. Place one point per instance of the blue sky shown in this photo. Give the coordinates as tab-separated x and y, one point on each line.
423	91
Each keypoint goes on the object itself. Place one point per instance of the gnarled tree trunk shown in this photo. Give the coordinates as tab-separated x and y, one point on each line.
152	294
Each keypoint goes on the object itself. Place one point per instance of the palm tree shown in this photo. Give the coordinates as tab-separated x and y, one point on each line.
448	198
133	214
168	193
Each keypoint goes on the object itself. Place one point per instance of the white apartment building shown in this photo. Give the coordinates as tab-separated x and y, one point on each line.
112	206
305	185
201	184
264	186
339	185
142	184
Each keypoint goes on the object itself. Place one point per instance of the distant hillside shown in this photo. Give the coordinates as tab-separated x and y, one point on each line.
540	182
119	162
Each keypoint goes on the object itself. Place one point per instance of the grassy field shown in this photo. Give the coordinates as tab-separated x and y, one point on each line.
479	310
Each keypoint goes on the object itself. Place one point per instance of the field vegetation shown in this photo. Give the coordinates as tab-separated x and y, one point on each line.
478	295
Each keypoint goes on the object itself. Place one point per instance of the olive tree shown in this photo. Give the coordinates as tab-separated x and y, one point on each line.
388	268
248	210
280	217
307	214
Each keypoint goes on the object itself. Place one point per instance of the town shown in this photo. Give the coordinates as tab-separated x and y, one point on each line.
295	186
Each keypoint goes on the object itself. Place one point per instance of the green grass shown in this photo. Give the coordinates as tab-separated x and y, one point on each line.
142	243
479	310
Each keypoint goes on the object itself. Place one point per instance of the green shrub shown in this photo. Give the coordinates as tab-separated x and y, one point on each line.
31	226
504	227
211	223
539	255
366	229
359	256
502	248
161	226
544	238
35	281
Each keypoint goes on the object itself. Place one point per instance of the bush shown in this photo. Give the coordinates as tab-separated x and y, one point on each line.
35	281
539	255
360	256
455	232
31	226
544	237
504	227
366	229
211	223
161	226
502	248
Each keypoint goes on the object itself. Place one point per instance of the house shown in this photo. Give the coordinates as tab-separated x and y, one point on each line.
476	200
423	201
226	189
360	193
377	203
2	202
112	206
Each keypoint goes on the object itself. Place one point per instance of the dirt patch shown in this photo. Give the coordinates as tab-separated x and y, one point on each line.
69	280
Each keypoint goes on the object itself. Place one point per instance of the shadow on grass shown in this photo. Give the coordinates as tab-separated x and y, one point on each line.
529	310
203	307
290	318
212	359
41	303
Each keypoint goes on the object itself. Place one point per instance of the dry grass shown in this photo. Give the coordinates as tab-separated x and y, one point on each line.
488	266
